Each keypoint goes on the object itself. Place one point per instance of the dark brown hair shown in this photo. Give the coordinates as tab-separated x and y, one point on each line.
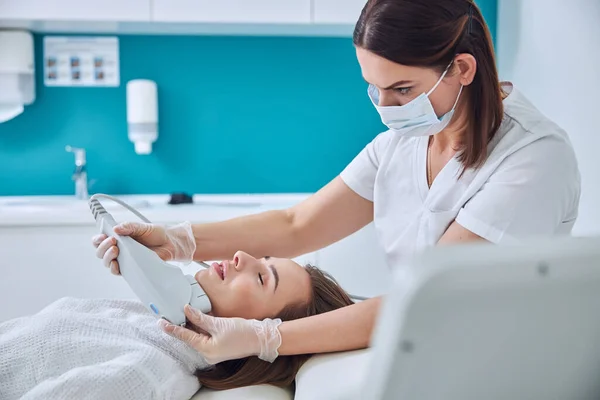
429	34
326	296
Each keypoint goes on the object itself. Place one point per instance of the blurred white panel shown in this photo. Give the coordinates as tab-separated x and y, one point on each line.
66	10
551	51
232	11
337	11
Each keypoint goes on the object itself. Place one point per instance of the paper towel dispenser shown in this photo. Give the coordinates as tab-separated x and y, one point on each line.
17	73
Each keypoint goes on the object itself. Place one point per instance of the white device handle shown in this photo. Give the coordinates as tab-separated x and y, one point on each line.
163	288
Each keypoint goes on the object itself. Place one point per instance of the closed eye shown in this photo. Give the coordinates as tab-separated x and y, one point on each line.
261	279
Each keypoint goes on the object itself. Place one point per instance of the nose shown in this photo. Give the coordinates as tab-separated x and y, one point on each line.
386	99
242	260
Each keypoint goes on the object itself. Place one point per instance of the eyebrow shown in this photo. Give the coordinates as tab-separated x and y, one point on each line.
276	274
399	83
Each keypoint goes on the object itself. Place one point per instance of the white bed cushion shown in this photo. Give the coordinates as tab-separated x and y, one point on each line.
326	376
332	376
258	392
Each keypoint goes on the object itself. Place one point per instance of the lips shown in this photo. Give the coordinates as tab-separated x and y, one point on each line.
220	269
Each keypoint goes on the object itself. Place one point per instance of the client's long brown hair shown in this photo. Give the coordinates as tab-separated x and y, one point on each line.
326	296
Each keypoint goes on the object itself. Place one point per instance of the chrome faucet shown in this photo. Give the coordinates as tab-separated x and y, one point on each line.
80	173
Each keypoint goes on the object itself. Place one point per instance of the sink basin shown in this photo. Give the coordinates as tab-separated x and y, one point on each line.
52	205
37	205
63	205
215	203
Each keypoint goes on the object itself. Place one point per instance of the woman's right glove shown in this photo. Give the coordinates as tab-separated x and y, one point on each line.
173	243
222	339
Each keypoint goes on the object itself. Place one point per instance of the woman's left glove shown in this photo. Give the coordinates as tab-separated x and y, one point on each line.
222	339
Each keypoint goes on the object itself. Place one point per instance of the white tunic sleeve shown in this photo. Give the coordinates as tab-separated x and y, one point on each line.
534	191
360	174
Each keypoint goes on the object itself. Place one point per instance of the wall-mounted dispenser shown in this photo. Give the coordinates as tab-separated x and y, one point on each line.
17	78
142	114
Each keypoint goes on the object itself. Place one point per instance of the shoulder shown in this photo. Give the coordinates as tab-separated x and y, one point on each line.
527	135
522	118
389	142
383	140
533	157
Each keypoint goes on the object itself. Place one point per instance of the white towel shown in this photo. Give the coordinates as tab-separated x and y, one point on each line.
94	349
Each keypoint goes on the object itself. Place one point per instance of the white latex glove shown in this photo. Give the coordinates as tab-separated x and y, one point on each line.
173	243
222	339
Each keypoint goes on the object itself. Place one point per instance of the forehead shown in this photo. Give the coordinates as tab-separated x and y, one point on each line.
294	281
382	72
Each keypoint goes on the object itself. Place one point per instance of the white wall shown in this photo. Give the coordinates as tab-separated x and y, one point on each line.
551	50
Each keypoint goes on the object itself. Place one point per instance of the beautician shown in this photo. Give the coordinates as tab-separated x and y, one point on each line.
466	158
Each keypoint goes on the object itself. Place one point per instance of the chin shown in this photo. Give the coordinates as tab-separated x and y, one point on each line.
201	277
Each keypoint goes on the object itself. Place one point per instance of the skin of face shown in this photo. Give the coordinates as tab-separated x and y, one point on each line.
253	288
399	84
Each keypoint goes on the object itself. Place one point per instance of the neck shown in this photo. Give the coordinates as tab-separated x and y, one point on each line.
451	137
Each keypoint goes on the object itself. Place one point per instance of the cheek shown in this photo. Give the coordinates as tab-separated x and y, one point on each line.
440	105
388	98
394	98
239	299
404	99
444	100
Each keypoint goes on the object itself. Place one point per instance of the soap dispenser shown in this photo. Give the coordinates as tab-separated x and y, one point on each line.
142	114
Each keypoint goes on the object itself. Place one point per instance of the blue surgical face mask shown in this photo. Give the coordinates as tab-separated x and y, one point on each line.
416	118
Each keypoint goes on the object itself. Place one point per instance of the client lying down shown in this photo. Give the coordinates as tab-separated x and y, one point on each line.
114	349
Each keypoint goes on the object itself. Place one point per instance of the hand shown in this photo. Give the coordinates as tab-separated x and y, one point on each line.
175	243
222	339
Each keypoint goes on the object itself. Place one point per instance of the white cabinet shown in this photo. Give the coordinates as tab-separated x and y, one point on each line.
232	11
337	11
186	17
75	10
43	264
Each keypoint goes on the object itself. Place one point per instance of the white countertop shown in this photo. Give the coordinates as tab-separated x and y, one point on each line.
66	210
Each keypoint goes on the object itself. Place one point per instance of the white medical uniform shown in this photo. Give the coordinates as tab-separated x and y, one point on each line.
529	185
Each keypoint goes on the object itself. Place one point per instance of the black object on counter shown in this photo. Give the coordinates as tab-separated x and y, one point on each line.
181	198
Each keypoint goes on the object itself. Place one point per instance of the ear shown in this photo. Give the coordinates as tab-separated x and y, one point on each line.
466	67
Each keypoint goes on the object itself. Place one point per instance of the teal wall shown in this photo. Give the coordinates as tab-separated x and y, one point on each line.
236	115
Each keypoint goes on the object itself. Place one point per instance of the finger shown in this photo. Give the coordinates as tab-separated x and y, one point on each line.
133	229
125	228
199	319
185	335
114	268
163	253
194	328
110	256
96	240
104	246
